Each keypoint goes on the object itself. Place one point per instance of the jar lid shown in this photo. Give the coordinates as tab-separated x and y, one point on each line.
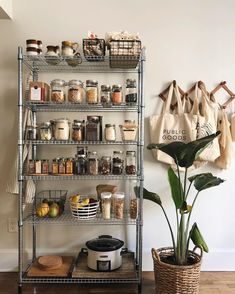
104	243
131	82
70	158
105	195
39	42
75	82
58	82
109	125
132	153
82	155
91	82
31	49
105	88
118	87
47	160
31	41
56	159
129	121
117	152
46	124
106	157
62	120
119	195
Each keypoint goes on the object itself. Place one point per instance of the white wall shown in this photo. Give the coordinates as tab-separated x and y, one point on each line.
186	40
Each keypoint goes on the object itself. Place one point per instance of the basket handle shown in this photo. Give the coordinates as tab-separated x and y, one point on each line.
200	249
155	255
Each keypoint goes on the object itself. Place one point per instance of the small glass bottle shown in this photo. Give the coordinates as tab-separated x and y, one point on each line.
93	163
105	94
105	165
91	91
69	166
118	162
31	167
117	94
106	199
45	166
61	166
55	166
131	91
38	166
110	132
75	91
58	90
119	205
130	162
78	131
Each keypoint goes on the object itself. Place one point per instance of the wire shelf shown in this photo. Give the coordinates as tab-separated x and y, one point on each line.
42	63
67	219
70	142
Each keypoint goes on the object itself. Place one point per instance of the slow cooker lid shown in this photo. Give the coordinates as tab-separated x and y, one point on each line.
104	243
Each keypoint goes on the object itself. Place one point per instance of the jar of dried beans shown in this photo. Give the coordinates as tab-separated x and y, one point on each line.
117	94
118	162
58	91
119	205
131	91
130	162
105	165
105	94
75	91
78	130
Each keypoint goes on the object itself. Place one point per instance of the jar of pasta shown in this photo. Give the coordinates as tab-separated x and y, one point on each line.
119	205
91	91
106	199
58	91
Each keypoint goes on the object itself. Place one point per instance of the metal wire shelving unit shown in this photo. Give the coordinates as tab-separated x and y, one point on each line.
40	64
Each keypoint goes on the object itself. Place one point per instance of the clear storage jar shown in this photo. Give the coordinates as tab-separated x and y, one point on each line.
105	94
93	163
129	130
78	130
58	91
105	165
45	166
131	91
133	208
69	166
91	91
45	131
119	205
62	131
130	162
55	166
75	91
118	162
62	166
81	165
106	200
117	95
93	129
110	132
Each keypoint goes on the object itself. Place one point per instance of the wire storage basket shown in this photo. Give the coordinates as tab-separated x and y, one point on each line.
124	53
81	211
94	49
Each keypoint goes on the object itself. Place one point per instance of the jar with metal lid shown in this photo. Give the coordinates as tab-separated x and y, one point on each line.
131	91
58	91
45	131
75	91
81	165
119	205
118	162
91	91
106	200
93	129
62	166
62	129
69	166
45	166
110	132
78	130
105	165
117	94
55	166
93	163
105	94
31	133
130	162
38	166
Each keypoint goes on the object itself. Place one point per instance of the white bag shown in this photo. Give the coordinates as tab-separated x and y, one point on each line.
168	127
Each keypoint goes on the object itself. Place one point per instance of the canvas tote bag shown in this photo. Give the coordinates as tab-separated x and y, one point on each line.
167	127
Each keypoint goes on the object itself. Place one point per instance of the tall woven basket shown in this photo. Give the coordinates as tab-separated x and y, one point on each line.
175	279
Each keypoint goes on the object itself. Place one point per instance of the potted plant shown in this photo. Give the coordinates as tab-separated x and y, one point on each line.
177	268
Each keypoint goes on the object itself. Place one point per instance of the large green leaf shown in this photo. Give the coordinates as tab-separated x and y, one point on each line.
176	188
148	195
205	181
196	236
185	154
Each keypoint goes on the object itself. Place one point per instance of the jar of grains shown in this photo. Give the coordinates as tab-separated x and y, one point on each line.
106	199
119	205
45	131
91	91
130	162
105	165
118	162
93	163
110	132
105	94
117	94
75	91
69	166
58	90
62	129
78	130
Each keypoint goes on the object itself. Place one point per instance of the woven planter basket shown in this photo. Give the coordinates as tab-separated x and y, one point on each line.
175	279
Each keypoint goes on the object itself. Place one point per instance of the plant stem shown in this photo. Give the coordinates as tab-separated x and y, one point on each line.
185	183
188	190
172	235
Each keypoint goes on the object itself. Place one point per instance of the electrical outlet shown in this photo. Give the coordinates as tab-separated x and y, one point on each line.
12	225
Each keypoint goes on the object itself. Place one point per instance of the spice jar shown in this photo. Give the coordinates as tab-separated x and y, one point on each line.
118	162
78	130
93	163
38	167
105	94
69	166
133	207
45	166
131	91
61	166
45	131
81	164
58	90
119	205
91	91
129	130
117	94
105	165
110	132
62	129
31	166
93	128
130	162
106	199
75	91
55	166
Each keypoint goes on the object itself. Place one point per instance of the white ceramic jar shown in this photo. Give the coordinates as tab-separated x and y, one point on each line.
62	129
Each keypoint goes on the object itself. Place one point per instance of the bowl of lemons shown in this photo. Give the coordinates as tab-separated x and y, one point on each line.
83	207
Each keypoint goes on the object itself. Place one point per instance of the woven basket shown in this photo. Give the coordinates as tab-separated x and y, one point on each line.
175	279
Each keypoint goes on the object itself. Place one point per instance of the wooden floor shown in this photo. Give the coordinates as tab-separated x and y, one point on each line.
211	283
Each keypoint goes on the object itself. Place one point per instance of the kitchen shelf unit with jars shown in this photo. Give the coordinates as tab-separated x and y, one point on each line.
36	65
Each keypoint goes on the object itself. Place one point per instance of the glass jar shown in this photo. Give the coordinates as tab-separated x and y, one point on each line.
61	129
38	167
133	208
110	132
69	166
81	165
82	150
55	166
31	166
31	133
130	162
119	205
75	91
131	91
45	166
91	91
93	129
61	166
118	162
58	91
78	130
45	131
93	163
105	165
117	94
129	130
106	199
105	94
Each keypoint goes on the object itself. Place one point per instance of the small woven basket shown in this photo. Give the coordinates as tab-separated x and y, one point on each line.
176	279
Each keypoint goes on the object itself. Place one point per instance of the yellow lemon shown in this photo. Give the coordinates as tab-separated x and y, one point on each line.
85	201
75	198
